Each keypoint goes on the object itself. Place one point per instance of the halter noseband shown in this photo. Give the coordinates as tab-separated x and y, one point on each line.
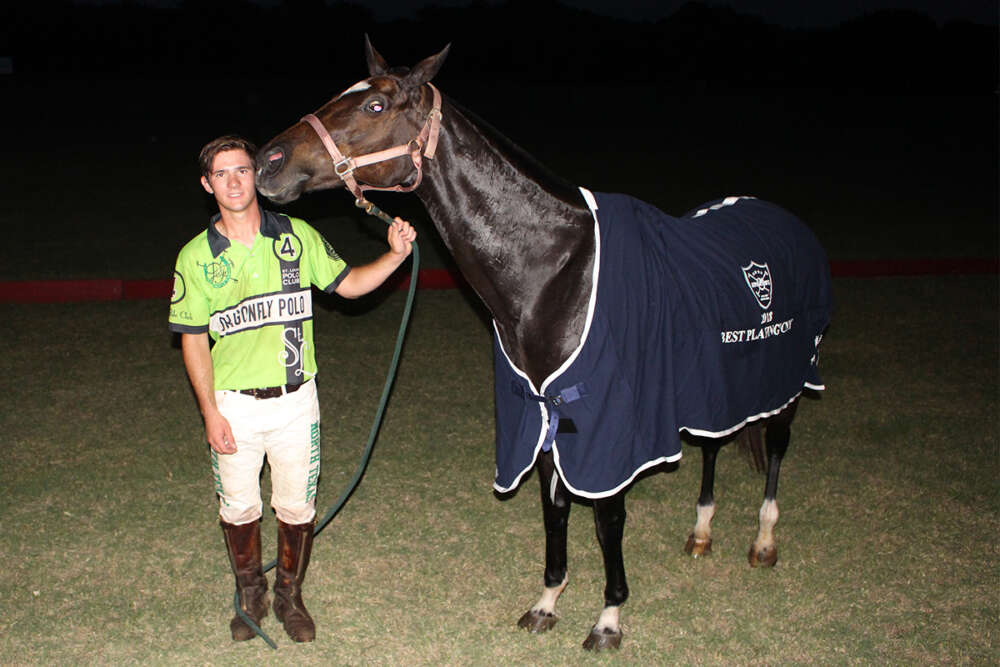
344	166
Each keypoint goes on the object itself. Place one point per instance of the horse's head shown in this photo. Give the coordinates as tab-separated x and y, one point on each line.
388	109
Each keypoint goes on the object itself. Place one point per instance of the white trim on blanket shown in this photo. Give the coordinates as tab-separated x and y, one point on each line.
592	204
591	306
541	408
606	494
748	420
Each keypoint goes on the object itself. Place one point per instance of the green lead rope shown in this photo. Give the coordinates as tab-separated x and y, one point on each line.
373	210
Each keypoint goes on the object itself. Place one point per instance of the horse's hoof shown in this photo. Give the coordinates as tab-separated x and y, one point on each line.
599	640
535	621
764	557
698	547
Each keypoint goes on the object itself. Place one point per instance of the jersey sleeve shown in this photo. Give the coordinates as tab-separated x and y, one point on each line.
326	269
189	305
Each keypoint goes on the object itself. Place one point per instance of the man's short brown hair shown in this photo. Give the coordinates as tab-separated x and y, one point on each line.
229	142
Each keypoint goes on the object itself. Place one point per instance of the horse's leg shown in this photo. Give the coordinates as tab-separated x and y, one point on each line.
764	551
699	542
555	512
609	519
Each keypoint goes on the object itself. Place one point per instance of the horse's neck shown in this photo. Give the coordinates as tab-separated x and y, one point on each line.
522	238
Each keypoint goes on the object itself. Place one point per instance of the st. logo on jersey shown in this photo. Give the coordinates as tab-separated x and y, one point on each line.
758	277
288	247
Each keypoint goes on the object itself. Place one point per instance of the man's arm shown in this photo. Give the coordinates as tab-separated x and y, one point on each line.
198	362
363	279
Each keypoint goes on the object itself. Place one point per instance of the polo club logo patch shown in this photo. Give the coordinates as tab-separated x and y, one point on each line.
758	277
218	273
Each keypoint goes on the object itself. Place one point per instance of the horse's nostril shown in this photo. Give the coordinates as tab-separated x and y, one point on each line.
278	155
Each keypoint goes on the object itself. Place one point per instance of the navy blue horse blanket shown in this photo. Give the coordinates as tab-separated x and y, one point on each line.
701	323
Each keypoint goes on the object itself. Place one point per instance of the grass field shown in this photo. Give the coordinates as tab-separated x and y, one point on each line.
890	504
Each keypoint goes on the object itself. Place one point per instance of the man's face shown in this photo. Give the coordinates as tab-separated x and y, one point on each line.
231	180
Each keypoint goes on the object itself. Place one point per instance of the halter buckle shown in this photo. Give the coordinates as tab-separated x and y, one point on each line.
344	167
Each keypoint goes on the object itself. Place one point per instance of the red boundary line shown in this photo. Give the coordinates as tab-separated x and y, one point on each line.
64	291
871	268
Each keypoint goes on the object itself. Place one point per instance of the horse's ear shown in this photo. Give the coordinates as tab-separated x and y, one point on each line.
376	63
425	70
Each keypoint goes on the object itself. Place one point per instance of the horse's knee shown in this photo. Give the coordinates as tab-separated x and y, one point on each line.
609	517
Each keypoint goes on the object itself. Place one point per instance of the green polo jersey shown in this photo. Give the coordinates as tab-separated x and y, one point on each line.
255	303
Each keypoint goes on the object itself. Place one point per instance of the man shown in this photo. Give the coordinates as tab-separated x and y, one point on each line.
244	284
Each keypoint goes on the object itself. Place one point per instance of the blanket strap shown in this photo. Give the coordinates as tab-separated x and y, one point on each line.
552	402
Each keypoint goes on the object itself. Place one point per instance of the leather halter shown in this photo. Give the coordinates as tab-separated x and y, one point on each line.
423	145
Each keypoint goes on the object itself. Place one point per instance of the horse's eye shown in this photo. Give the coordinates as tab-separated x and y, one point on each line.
375	106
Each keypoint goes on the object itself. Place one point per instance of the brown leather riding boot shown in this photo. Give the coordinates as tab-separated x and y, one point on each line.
243	545
294	547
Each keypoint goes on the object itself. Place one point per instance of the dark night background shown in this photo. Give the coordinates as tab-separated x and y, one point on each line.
876	125
701	44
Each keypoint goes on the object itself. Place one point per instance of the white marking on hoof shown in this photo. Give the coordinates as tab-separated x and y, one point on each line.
767	518
606	633
547	603
608	620
763	552
703	525
542	617
699	543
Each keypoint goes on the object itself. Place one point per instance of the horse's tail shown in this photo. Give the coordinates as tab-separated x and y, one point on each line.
751	442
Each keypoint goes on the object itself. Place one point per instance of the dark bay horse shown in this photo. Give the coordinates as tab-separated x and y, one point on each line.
531	247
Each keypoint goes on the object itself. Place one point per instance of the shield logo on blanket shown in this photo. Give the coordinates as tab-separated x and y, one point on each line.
758	277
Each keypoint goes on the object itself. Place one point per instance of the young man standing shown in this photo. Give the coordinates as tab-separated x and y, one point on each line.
245	284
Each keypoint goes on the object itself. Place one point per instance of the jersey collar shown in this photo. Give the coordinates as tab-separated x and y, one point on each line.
270	226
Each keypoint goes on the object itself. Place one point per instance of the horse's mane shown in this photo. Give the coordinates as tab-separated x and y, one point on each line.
529	163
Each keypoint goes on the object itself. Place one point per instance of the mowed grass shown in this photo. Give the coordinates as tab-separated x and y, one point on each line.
887	537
